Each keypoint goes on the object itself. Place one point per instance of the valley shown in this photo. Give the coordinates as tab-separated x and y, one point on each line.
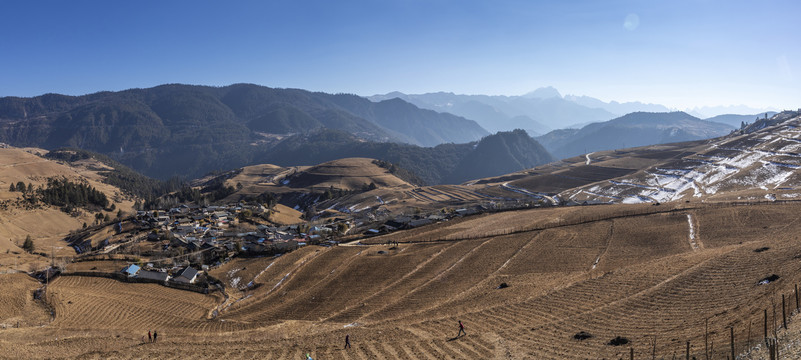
602	254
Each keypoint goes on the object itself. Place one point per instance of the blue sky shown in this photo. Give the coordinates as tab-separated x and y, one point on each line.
680	54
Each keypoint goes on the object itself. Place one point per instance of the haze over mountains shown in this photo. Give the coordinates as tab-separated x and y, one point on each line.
538	111
188	131
496	154
635	129
544	109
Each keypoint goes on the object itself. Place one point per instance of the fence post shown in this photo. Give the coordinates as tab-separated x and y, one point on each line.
784	315
706	338
765	338
631	357
653	354
748	344
732	341
687	356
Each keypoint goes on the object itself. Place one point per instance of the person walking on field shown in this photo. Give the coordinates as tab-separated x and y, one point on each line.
156	335
149	337
347	341
461	329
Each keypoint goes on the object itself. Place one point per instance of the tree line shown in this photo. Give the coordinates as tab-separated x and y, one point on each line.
63	193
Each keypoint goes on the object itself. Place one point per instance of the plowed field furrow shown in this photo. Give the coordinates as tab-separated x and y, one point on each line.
487	321
521	316
460	276
426	196
444	193
334	291
252	310
353	285
361	352
455	194
442	346
417	351
428	347
121	305
386	350
371	350
479	344
466	351
538	348
439	328
334	353
409	300
414	195
393	289
472	194
401	350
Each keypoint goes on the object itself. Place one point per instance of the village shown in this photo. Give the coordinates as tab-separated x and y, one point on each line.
176	247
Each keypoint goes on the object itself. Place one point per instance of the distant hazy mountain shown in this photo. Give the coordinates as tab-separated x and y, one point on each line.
635	129
543	93
537	112
447	163
737	120
189	130
711	111
615	107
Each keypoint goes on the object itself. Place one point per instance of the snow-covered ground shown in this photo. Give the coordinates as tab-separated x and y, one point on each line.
766	159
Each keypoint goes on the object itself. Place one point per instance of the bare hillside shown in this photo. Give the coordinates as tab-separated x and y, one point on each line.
46	225
603	271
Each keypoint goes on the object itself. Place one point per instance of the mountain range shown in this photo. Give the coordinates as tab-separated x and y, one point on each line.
631	130
495	154
189	130
537	112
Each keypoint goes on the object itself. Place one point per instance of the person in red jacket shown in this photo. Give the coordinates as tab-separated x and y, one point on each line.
461	329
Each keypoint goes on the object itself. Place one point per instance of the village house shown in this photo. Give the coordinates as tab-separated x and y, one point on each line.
187	275
131	270
153	275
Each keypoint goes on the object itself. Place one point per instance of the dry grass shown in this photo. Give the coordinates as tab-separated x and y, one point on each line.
404	302
101	303
18	308
46	226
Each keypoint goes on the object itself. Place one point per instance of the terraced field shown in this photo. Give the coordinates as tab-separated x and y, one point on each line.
18	308
81	302
636	272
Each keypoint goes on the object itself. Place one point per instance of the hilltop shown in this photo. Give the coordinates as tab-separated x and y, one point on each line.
443	164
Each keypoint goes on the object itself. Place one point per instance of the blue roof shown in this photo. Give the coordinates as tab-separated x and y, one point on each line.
131	270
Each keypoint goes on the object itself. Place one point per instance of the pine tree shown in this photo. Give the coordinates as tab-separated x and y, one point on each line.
28	244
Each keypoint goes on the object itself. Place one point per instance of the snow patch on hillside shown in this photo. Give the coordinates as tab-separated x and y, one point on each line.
765	160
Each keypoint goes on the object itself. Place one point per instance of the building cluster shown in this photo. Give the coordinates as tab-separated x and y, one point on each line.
213	233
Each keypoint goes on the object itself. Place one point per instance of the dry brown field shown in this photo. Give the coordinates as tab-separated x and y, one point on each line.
18	308
47	225
629	271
